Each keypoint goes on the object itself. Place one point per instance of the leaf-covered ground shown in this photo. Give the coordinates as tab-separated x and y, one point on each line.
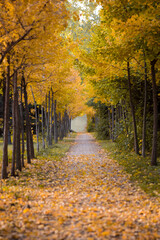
84	196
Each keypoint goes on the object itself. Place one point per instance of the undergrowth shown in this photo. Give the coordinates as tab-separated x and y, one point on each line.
139	168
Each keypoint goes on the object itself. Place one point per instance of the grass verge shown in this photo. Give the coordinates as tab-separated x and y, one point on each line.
139	168
55	152
58	150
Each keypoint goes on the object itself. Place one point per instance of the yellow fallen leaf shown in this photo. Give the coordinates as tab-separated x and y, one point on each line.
26	210
106	233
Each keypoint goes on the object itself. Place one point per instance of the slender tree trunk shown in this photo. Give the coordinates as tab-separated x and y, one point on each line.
116	121
14	150
27	124
64	124
144	111
30	137
46	121
51	121
155	114
4	93
6	120
55	123
22	125
59	125
18	134
70	120
43	136
112	107
36	120
109	123
136	146
49	114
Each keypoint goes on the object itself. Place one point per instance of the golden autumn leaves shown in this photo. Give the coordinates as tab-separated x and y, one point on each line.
84	196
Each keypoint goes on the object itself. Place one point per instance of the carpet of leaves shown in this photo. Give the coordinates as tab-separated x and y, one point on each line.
81	197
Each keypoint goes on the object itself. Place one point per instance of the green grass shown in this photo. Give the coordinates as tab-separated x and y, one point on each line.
139	168
55	152
9	151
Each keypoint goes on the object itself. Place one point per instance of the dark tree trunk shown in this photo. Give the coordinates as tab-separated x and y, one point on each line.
6	120
4	93
49	109
136	146
70	120
31	141
155	114
36	120
60	127
22	125
112	136
46	121
27	124
144	111
43	136
18	134
116	121
51	121
63	127
109	123
14	150
55	123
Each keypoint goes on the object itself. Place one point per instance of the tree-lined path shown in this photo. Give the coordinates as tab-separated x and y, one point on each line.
86	195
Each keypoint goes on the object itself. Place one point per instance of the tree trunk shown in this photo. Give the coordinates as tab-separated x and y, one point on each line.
38	123
18	133
55	123
22	125
27	124
155	114
31	148
51	121
60	127
109	123
6	120
43	136
49	109
36	120
14	150
144	111
46	121
136	146
4	93
112	107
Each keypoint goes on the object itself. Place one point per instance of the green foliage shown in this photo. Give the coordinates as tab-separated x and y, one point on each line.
124	139
102	128
91	125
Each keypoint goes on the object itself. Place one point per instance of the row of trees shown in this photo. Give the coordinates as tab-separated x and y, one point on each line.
120	62
36	68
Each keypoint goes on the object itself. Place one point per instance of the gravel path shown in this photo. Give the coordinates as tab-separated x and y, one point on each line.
85	144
